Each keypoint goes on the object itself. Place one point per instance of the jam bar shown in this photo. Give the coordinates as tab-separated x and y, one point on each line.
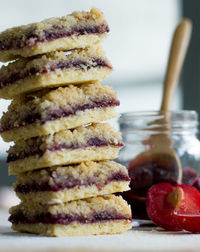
53	70
77	30
49	111
94	142
65	183
92	216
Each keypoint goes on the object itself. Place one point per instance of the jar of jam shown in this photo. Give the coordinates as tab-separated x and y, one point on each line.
159	147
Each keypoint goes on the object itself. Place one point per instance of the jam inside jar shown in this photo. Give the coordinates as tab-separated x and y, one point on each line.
159	147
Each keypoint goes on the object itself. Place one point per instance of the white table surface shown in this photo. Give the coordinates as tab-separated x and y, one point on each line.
137	239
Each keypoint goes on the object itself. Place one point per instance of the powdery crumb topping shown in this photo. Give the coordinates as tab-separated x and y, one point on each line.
82	207
18	36
63	97
80	135
101	171
44	63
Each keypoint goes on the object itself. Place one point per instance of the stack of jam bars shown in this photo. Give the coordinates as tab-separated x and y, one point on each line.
61	152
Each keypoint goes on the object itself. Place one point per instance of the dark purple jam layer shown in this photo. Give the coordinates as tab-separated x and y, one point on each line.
65	219
13	77
92	142
52	115
32	38
68	183
56	114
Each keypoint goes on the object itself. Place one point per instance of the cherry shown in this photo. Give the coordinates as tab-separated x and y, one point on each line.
188	215
190	223
174	207
159	209
190	201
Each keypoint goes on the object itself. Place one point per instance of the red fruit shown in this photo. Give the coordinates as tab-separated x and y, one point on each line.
159	209
188	215
190	204
190	223
174	207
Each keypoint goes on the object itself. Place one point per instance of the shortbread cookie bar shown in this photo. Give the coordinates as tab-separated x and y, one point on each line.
77	30
65	183
49	111
92	216
94	142
53	70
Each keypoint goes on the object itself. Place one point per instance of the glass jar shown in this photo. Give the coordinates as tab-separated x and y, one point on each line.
159	147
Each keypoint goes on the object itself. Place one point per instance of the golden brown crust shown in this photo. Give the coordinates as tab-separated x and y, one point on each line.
53	70
75	229
80	181
63	96
64	156
81	207
75	193
85	209
85	117
43	63
22	44
80	135
101	171
46	101
57	78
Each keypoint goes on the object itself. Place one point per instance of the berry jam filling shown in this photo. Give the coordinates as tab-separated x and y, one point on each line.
65	219
68	183
35	150
56	114
145	172
13	77
52	115
33	37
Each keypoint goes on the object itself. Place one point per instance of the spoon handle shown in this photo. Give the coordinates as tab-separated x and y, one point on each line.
180	42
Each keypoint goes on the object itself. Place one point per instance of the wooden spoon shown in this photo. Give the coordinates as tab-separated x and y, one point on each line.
161	162
177	54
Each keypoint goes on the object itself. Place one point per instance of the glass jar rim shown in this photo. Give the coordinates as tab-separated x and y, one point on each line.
179	119
148	113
